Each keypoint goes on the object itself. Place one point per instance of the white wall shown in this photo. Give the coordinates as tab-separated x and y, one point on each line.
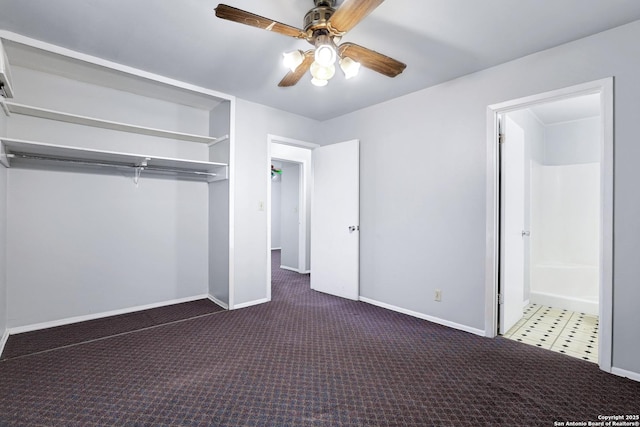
289	218
423	224
219	208
573	142
59	93
3	242
276	203
254	122
566	215
53	91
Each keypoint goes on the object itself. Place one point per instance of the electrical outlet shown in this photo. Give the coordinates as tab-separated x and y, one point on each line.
438	295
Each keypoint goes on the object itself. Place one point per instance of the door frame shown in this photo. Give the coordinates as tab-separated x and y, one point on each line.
303	200
605	88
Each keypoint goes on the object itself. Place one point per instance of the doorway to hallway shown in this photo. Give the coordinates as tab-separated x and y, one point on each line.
288	205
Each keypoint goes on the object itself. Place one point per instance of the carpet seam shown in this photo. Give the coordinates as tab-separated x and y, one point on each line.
49	350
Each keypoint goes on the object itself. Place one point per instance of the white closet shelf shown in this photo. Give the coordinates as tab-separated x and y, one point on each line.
45	113
14	151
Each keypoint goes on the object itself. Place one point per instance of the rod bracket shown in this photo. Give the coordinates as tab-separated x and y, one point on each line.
139	168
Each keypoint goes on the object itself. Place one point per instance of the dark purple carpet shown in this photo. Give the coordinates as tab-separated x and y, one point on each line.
60	336
306	359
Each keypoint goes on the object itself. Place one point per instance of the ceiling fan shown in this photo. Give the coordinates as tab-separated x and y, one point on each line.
324	26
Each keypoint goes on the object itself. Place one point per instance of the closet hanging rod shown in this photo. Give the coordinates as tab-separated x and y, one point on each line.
109	165
160	169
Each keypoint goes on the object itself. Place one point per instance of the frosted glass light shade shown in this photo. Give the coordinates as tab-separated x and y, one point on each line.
349	67
325	53
321	72
319	82
293	59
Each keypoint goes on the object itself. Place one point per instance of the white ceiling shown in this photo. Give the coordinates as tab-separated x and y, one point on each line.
438	40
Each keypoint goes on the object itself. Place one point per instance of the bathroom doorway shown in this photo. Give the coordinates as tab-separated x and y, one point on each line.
550	227
551	272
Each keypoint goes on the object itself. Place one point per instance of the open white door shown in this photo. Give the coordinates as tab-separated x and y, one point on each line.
335	216
512	222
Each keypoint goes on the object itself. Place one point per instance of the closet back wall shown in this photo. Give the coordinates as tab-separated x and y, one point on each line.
86	243
83	243
50	91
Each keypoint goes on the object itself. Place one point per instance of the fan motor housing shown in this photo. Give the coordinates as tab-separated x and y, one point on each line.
318	17
330	3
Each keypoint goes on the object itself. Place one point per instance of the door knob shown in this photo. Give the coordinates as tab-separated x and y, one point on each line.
526	233
353	228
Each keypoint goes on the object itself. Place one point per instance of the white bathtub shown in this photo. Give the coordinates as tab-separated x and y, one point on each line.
573	287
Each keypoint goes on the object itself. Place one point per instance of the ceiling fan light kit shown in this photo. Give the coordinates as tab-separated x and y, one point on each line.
349	67
323	27
319	82
291	60
325	54
322	72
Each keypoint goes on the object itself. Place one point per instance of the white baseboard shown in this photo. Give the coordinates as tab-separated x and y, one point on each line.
250	303
76	319
3	340
627	374
422	316
295	270
218	302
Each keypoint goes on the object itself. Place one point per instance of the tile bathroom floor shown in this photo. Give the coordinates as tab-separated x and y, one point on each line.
568	332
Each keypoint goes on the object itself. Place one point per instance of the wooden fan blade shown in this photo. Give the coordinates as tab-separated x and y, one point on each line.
294	77
231	13
371	59
350	13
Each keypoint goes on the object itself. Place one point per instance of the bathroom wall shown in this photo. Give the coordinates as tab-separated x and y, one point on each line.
565	217
573	142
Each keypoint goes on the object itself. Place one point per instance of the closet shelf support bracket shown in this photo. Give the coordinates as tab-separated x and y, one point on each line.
218	139
4	106
139	168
